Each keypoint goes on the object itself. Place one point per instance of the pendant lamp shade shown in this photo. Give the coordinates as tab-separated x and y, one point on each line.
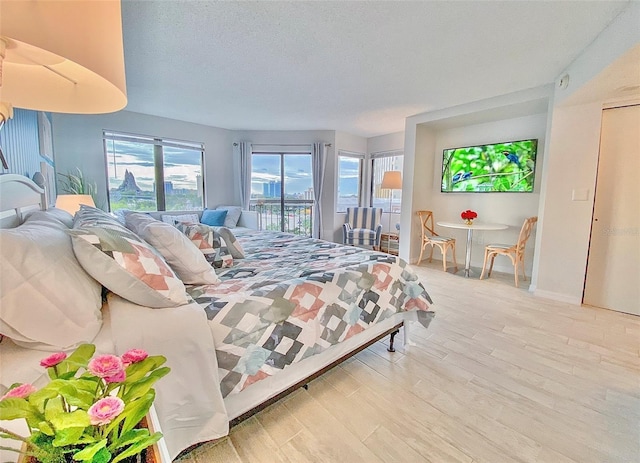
62	56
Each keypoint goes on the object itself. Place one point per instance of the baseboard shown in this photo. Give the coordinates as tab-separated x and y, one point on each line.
556	296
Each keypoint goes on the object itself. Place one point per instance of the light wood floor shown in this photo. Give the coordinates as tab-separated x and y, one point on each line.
500	376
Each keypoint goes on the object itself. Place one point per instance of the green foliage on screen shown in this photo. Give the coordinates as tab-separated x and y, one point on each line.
501	167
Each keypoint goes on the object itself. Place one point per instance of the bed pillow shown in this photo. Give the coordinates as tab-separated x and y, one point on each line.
123	262
233	215
59	214
209	242
233	245
48	301
213	218
179	252
175	219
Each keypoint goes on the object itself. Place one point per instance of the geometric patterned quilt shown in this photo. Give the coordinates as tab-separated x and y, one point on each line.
293	297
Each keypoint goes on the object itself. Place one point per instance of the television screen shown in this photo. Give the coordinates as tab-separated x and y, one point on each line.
501	167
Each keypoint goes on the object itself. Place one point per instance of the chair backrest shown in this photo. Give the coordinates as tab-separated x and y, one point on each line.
426	219
364	217
525	233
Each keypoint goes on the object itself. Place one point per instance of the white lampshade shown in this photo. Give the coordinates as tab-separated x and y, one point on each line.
392	180
71	203
62	56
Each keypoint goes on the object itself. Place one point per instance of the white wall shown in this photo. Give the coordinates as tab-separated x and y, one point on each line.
566	224
78	143
572	159
507	208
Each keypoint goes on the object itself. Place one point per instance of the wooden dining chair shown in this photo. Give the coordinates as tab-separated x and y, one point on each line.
515	252
431	238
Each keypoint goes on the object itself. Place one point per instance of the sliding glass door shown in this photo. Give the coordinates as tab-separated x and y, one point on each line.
282	191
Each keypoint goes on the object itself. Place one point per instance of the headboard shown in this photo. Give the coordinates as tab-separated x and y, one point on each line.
18	195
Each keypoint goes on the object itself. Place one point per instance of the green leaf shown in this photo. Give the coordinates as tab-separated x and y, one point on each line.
141	387
79	358
130	437
137	371
68	436
53	408
136	410
87	453
138	447
77	418
14	408
103	456
46	428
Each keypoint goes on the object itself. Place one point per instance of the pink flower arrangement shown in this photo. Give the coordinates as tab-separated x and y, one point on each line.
53	359
105	366
94	394
20	392
105	410
134	356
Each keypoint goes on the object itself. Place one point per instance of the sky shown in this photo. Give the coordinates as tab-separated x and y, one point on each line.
181	167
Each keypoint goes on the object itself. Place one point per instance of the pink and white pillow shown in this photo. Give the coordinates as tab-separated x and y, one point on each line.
209	242
123	262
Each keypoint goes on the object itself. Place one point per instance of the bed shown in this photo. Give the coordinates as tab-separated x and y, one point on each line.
287	311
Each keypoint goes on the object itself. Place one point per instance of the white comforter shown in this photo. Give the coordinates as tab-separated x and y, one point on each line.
188	402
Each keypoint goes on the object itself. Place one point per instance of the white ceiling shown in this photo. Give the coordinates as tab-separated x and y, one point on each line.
357	67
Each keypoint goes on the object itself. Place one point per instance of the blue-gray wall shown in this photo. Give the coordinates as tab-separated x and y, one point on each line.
20	143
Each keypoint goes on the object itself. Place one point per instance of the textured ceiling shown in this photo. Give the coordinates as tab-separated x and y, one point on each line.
357	67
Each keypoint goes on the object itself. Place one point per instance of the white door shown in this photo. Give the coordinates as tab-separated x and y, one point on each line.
613	267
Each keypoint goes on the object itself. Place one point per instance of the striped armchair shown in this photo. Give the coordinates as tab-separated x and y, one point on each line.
363	226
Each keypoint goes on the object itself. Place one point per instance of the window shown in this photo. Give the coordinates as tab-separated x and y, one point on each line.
350	166
137	164
282	191
380	163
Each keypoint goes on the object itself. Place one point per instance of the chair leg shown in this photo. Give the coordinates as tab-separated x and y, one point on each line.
421	251
453	251
484	264
493	257
515	270
444	257
431	254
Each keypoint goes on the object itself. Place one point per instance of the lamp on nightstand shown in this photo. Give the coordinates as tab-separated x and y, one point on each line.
72	203
391	180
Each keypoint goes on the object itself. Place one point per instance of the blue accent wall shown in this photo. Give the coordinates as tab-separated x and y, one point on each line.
20	143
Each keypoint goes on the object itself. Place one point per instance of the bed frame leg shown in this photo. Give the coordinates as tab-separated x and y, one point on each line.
393	335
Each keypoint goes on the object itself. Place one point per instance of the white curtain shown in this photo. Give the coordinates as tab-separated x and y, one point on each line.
243	156
318	163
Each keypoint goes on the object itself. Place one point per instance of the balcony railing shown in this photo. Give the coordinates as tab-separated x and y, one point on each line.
295	217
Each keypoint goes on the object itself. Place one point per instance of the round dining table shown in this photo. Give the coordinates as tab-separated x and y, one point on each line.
470	229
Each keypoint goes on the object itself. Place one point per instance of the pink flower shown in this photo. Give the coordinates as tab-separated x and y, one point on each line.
19	392
134	356
117	378
53	359
105	410
105	365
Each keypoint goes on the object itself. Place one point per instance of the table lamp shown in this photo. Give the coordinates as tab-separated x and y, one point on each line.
72	203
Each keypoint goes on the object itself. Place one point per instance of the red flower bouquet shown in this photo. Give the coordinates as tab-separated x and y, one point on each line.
468	216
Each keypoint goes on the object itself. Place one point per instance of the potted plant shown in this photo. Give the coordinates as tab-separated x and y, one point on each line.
91	409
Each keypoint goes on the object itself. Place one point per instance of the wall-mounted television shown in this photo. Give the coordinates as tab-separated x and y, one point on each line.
499	167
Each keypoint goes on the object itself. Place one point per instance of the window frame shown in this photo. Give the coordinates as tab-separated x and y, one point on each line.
361	176
158	144
382	155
